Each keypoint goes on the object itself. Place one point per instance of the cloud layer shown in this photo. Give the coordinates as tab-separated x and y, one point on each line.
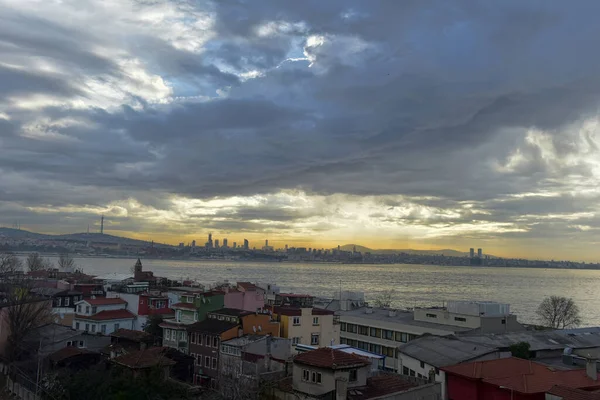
418	122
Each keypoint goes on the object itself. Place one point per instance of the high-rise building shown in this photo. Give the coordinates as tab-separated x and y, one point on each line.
209	243
216	243
246	244
479	253
193	244
225	242
472	252
267	243
234	245
286	247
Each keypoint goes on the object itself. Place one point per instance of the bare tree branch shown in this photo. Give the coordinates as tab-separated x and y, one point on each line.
559	312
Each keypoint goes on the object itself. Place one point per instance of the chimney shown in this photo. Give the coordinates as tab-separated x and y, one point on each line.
590	369
341	389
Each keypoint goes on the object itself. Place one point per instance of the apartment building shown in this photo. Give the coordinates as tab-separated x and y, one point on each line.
381	331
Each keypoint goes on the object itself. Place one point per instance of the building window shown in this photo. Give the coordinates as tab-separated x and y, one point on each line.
94	310
362	330
81	344
404	370
295	340
353	377
460	319
182	336
389	335
87	309
207	341
79	309
193	337
375	332
314	339
214	363
422	365
103	329
296	320
437	371
58	301
305	375
503	322
87	327
375	348
343	326
411	372
216	342
199	360
316	377
207	362
67	301
116	327
431	315
315	320
94	328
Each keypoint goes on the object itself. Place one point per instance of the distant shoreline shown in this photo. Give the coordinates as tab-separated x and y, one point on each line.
206	260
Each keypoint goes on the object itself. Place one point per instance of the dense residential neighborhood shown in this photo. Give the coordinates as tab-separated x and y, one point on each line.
249	340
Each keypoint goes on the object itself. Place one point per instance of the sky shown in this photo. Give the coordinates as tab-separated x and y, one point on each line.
422	124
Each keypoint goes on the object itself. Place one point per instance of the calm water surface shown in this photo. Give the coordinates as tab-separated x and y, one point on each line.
414	285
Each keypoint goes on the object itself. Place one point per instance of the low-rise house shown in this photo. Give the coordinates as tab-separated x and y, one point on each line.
63	302
307	325
205	338
377	360
143	361
246	296
143	305
513	378
73	358
424	356
251	323
193	306
88	289
127	340
334	374
102	315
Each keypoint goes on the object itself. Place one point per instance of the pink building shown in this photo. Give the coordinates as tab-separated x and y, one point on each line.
246	296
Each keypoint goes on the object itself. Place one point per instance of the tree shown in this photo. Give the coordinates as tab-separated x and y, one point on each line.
35	262
66	262
559	312
384	299
152	326
10	264
24	313
520	350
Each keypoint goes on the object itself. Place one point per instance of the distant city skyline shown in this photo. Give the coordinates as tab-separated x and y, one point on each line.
388	124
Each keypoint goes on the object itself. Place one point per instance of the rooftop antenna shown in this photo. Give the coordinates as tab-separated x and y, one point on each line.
102	225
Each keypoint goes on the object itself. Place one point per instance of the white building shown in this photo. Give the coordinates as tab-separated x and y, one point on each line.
102	315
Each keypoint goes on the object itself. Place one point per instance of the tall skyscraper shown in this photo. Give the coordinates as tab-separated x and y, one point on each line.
209	243
234	245
246	244
102	225
193	244
216	243
267	243
225	242
479	253
472	253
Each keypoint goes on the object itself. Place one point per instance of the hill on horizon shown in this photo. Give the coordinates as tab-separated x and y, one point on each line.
446	252
78	237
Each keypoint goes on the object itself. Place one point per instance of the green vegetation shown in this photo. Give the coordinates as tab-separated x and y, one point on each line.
521	350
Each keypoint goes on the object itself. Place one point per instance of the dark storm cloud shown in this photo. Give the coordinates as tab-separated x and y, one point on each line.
425	99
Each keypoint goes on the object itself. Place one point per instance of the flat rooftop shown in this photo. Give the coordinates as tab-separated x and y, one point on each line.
402	317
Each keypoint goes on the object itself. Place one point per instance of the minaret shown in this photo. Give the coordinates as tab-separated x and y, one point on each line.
102	225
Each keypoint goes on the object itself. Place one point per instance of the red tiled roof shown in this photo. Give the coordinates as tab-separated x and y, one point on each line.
103	301
66	352
144	358
573	394
129	334
248	286
295	295
108	314
189	306
380	386
329	358
522	375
